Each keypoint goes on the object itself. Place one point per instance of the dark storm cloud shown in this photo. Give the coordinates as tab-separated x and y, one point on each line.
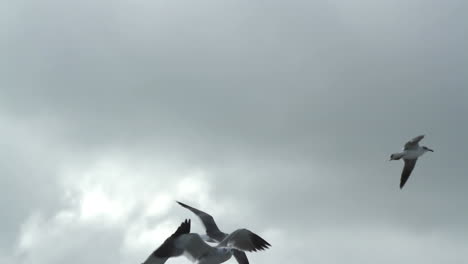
292	108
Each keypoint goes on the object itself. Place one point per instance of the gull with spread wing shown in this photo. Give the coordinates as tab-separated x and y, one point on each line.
213	234
411	152
191	245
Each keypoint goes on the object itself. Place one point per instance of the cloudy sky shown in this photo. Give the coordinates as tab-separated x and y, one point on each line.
278	116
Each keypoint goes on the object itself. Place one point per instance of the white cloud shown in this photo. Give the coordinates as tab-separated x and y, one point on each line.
117	193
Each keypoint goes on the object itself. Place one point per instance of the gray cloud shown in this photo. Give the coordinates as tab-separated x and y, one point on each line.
286	113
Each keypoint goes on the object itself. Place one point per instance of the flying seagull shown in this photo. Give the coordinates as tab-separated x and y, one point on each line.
182	242
213	234
411	152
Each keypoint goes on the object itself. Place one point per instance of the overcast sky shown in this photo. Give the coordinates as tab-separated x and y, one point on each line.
278	116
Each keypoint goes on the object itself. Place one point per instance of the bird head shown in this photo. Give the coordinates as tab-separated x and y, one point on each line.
393	157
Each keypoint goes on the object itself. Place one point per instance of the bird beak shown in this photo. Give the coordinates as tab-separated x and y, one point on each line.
430	150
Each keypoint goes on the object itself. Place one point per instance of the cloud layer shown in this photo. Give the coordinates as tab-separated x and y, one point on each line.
276	116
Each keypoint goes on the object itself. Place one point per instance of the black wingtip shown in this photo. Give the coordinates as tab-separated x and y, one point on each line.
181	204
402	184
167	248
259	243
184	228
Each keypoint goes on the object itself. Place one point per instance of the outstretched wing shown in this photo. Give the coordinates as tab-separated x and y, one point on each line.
413	143
245	240
169	248
407	169
155	260
212	229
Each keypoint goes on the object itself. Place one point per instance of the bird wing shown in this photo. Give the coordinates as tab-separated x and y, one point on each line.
211	228
407	169
169	248
240	256
155	260
245	240
413	143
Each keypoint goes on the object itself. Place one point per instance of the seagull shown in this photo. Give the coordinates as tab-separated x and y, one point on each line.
182	242
411	152
213	234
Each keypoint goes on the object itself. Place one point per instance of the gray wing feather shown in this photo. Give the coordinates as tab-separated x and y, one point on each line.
212	229
245	240
413	143
407	169
240	256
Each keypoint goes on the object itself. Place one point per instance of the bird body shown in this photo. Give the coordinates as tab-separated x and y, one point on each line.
409	153
199	251
413	153
220	255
